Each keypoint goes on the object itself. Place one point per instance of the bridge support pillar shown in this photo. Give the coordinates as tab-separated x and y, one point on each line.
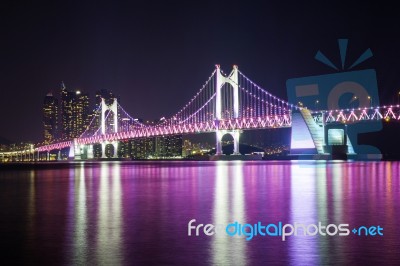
115	145
103	149
235	135
218	149
114	109
90	154
233	80
75	150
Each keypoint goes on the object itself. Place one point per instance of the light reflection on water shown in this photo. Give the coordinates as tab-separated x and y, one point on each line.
115	213
302	210
228	208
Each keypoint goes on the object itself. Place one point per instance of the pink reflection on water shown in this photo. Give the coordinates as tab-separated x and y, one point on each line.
137	213
229	207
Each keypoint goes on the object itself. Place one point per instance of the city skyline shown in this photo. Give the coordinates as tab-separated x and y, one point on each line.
199	133
149	58
226	105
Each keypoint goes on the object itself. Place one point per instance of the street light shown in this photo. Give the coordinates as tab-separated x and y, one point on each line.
316	104
370	101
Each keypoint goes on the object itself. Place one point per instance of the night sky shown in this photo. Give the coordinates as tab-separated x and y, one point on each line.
157	55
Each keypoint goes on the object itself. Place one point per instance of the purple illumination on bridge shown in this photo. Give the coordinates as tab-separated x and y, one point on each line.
224	104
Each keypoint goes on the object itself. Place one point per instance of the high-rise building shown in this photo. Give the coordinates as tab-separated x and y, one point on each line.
169	146
75	112
50	118
82	112
143	148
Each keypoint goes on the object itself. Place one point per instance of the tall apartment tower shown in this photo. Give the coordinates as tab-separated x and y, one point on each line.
50	118
75	112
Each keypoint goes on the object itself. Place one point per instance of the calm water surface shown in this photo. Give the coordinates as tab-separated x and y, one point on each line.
137	213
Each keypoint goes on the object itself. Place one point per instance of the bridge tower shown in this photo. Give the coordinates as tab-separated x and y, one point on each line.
233	80
114	110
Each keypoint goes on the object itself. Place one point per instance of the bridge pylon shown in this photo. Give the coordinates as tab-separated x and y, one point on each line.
114	110
233	80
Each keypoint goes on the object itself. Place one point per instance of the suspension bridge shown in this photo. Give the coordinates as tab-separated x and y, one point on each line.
225	104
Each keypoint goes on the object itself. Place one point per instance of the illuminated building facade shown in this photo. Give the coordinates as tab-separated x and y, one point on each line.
157	147
169	146
75	114
143	148
50	118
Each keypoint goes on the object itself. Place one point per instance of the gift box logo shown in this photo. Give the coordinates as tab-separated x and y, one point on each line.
344	89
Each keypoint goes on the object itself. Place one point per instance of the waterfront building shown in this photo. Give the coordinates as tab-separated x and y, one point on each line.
50	118
75	114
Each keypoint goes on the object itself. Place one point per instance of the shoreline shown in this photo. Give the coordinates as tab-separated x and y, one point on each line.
68	164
